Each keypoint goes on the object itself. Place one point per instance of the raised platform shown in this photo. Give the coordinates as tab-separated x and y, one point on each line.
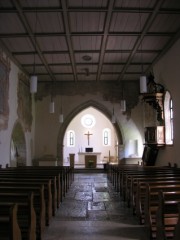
89	170
82	166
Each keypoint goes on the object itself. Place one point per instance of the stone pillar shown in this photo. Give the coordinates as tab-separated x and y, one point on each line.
71	159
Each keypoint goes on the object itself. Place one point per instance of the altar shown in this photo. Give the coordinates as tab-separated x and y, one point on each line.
89	159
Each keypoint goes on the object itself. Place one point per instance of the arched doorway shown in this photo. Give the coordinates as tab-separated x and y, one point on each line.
99	107
18	146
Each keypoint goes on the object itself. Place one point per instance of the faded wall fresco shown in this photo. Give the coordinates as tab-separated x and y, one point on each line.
4	91
24	110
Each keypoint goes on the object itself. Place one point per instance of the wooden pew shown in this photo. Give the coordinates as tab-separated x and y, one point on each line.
123	172
26	214
49	183
152	203
148	190
127	179
167	216
27	178
9	227
123	175
64	174
130	178
57	177
139	188
42	172
39	175
39	203
116	173
177	227
30	183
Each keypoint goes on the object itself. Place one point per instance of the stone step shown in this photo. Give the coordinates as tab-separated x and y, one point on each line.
89	170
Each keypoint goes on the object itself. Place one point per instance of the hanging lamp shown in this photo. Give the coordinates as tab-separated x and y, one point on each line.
143	78
33	84
61	116
51	106
33	78
143	84
113	118
123	105
123	101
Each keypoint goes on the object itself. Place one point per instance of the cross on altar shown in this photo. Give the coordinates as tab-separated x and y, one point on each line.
88	135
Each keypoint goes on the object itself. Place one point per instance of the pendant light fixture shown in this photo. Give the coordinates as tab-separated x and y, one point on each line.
52	104
33	78
33	84
123	105
143	84
61	116
143	78
123	101
113	118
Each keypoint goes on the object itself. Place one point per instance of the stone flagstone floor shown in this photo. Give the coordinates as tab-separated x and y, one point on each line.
92	210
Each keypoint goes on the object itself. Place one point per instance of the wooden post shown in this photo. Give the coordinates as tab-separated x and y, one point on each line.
71	159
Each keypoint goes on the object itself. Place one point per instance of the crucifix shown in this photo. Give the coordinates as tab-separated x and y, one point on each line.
88	135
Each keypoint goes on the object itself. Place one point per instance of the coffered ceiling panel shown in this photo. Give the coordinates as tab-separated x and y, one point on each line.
88	40
43	22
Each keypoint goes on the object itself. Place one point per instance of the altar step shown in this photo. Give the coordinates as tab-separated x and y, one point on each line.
80	168
89	170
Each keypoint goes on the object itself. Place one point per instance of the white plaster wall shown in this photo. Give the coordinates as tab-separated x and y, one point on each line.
133	132
95	140
5	135
46	129
47	125
167	72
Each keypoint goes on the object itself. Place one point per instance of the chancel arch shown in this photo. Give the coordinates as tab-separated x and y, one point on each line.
62	132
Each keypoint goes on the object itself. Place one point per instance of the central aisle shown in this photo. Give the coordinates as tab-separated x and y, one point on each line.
92	210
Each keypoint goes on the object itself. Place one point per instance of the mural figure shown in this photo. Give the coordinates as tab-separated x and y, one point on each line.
4	91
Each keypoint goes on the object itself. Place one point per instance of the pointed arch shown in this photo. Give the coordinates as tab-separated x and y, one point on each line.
18	145
78	109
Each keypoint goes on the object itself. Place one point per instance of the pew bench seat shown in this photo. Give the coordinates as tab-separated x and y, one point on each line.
30	184
161	215
26	214
9	227
168	215
39	203
148	198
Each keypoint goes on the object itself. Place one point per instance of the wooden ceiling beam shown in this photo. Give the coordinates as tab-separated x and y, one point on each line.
140	38
105	37
32	37
68	37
